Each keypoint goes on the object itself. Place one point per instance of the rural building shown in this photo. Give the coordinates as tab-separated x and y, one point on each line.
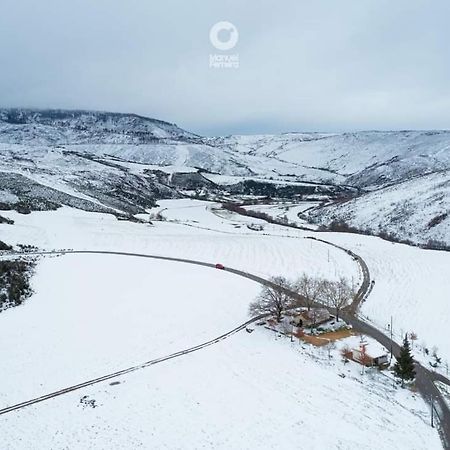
370	356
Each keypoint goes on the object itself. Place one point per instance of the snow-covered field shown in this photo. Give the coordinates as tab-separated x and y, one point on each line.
251	391
257	252
95	314
411	285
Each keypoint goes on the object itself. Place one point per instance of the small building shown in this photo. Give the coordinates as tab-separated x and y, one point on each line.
312	318
370	356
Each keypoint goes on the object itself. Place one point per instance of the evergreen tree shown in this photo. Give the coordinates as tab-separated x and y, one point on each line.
404	367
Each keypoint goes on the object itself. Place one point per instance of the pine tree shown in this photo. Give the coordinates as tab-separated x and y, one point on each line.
404	367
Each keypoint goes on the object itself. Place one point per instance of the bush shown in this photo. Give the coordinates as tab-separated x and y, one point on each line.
4	246
343	227
14	282
6	220
437	220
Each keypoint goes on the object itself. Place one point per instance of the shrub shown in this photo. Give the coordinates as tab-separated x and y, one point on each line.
6	220
4	246
14	282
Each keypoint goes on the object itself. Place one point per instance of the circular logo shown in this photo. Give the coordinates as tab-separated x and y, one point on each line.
223	35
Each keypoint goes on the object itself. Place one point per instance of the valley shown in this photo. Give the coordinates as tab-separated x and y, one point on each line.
105	184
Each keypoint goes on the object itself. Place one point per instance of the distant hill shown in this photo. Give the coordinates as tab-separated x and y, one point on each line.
116	162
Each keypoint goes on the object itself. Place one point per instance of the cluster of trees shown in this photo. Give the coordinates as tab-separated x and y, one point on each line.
233	207
267	189
281	295
14	282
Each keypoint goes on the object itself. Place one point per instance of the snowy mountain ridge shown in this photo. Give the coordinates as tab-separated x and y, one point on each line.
59	127
365	158
112	160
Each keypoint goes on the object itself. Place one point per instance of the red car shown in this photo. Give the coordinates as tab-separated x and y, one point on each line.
220	266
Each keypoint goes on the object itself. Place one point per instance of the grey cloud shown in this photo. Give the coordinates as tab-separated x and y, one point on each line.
304	65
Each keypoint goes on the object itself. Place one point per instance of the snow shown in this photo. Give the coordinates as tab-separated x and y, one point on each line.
404	209
411	285
95	314
407	152
91	155
210	239
288	210
252	390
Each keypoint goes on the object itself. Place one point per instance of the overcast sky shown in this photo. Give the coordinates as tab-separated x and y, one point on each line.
303	65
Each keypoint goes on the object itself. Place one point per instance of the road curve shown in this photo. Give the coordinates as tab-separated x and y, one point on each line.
424	378
365	286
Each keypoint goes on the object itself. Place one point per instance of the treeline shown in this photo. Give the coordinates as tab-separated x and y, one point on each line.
14	282
341	226
238	209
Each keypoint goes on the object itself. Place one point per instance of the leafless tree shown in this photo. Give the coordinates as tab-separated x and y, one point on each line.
413	338
337	294
310	289
364	359
331	345
346	353
274	299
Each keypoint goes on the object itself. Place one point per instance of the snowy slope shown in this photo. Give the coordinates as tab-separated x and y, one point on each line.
126	136
36	177
410	282
411	286
91	160
417	210
368	158
412	167
60	127
91	313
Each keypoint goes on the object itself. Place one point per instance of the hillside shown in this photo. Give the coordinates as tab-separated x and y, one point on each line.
60	127
124	163
416	210
367	159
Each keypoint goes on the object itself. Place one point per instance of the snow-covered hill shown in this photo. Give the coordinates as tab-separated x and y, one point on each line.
41	178
417	210
60	127
98	160
81	324
367	159
405	176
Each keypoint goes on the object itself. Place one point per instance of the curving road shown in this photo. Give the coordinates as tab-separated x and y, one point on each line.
365	287
424	378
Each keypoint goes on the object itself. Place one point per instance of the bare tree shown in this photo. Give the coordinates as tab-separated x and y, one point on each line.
346	353
274	299
310	289
364	359
338	294
331	345
413	338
